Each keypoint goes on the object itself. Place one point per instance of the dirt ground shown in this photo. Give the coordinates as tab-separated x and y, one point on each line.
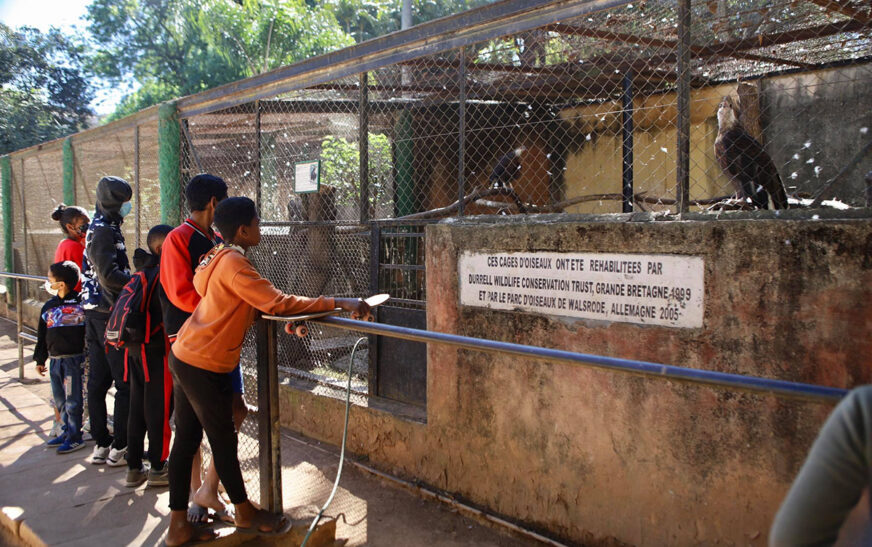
370	511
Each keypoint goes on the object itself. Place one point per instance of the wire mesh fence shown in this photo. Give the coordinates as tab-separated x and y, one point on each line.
578	115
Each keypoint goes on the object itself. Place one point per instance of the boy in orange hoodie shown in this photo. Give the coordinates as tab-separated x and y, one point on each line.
207	348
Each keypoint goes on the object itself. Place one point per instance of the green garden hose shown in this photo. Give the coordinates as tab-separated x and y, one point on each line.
342	450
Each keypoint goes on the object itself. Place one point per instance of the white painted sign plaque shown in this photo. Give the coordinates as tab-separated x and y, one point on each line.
644	289
307	176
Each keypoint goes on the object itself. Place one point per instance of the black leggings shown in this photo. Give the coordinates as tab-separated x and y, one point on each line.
151	403
203	400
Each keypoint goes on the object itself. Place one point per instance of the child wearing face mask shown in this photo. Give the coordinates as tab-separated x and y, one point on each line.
74	224
61	339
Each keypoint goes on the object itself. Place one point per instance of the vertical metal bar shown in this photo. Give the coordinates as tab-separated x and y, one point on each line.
627	133
21	191
363	145
19	320
683	156
190	146
136	186
374	261
257	166
461	130
268	417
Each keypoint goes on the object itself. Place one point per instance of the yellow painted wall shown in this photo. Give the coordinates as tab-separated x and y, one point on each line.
595	168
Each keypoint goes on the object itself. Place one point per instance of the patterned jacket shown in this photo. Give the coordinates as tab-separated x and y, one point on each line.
105	266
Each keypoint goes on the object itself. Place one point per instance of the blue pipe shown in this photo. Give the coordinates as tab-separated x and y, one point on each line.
784	388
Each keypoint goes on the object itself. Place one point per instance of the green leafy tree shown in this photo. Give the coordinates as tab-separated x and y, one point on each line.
173	48
260	36
44	89
366	19
340	168
159	45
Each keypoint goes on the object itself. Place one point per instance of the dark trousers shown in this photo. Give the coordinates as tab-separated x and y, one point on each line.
203	401
106	366
151	402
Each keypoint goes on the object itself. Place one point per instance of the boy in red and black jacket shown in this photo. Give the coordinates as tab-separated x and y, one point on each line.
183	249
180	256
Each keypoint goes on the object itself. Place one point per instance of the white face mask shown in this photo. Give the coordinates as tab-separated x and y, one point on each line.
49	289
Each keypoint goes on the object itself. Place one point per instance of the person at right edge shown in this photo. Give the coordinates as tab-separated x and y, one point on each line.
105	271
831	481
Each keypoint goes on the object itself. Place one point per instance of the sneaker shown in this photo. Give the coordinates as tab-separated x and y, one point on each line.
57	441
117	457
86	429
56	430
71	446
159	477
98	456
135	477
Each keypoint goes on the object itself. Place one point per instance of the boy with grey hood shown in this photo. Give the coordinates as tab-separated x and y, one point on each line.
106	269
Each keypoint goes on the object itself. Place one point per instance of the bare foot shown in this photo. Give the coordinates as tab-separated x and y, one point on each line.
181	531
210	500
250	519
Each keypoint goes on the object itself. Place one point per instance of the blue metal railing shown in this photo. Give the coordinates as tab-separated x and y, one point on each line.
782	388
19	314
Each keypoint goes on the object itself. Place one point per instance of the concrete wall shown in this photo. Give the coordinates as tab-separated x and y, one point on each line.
597	457
820	120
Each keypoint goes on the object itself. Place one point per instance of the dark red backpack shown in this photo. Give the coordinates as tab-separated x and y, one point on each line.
130	321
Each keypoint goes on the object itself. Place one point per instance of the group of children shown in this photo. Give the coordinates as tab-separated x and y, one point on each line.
169	337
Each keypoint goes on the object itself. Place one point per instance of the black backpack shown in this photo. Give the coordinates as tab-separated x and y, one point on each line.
130	321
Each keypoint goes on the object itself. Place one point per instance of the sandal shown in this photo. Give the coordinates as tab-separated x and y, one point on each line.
197	514
279	524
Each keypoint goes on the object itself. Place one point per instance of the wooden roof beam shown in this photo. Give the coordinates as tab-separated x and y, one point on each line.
845	8
735	48
492	67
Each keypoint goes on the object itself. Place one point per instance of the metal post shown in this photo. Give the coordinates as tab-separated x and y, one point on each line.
19	319
682	190
374	261
21	187
461	129
363	145
406	22
627	133
268	418
169	165
257	165
138	218
406	15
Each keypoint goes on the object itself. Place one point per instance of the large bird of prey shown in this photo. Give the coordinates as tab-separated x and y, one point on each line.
507	169
745	162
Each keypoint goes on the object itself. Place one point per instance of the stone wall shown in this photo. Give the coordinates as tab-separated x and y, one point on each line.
598	457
